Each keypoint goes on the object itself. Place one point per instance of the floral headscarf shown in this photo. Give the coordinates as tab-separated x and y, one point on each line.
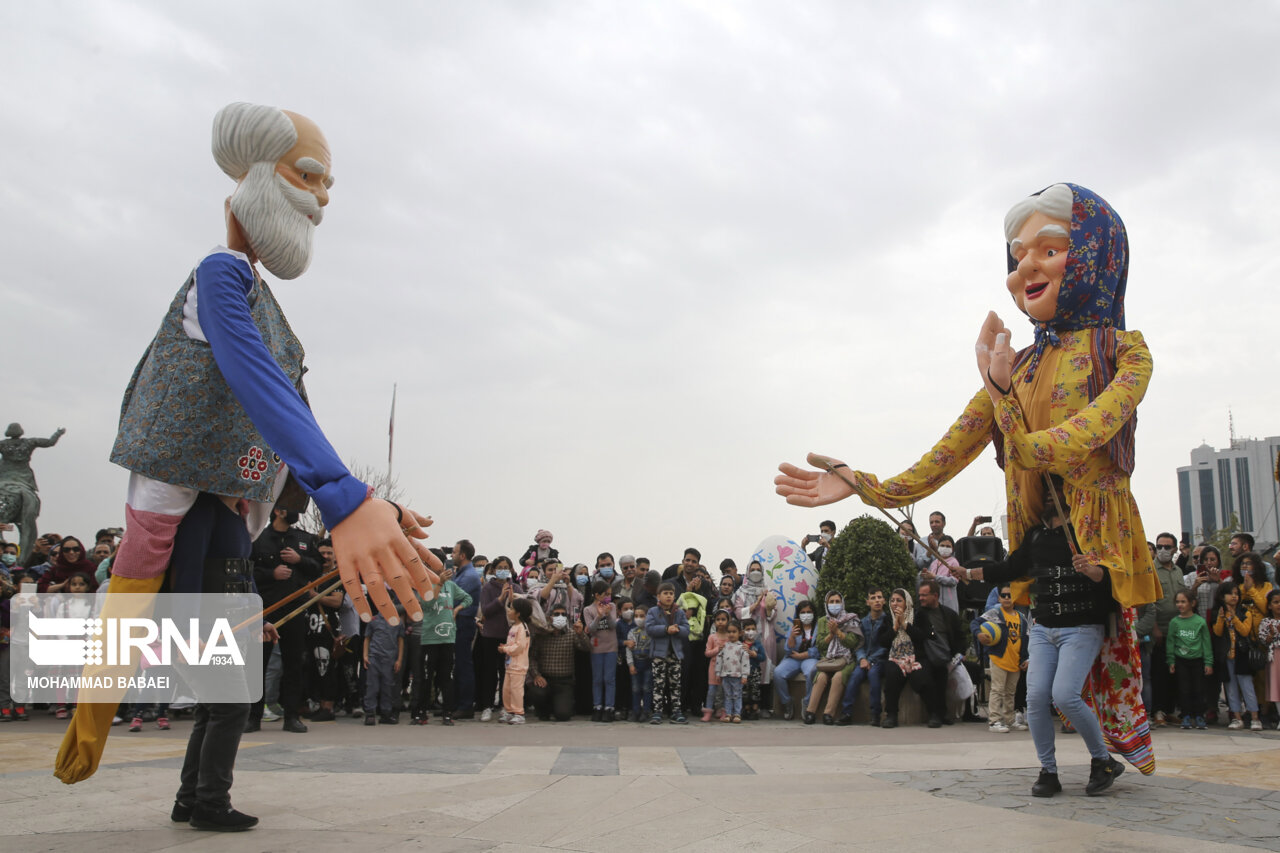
902	650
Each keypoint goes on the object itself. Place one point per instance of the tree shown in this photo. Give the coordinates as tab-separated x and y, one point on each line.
867	553
383	487
1221	537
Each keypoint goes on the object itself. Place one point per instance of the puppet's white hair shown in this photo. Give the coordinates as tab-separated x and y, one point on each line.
244	134
1055	201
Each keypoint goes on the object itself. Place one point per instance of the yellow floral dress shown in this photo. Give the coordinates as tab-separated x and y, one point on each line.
1049	425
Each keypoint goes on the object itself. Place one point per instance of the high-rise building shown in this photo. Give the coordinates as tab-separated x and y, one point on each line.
1239	479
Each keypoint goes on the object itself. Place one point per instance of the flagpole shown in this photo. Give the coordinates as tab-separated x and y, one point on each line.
391	432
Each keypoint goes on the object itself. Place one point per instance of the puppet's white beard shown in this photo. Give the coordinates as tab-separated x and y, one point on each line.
274	215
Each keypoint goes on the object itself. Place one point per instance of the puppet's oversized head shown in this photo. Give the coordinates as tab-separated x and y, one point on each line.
280	162
1068	259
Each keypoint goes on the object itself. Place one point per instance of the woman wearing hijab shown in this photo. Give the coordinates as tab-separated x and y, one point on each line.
71	560
754	602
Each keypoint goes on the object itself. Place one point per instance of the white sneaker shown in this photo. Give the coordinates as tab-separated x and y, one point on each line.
999	728
270	714
1020	721
1256	725
516	720
486	715
115	721
504	717
1237	723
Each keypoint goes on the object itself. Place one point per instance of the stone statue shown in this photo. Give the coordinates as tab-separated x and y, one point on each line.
19	497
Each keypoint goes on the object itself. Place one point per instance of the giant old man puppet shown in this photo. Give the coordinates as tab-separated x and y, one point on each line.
215	429
1064	406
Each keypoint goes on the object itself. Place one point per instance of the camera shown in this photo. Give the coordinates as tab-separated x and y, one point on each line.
984	519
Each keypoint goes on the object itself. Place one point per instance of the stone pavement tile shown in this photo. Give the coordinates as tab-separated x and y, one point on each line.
586	761
650	761
753	836
523	759
150	841
567	799
629	831
713	761
279	841
1258	769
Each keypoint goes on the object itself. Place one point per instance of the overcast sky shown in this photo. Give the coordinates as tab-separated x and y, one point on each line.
625	258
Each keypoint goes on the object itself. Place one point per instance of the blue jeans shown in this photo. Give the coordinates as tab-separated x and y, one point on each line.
1060	662
788	668
1238	685
464	674
732	695
604	678
642	687
874	676
710	704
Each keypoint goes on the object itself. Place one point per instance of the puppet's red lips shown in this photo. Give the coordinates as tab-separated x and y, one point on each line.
1034	290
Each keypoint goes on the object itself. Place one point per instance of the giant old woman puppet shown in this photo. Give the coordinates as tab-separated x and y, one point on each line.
214	426
1064	406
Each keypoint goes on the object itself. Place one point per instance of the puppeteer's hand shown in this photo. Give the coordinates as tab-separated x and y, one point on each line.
813	488
995	361
372	548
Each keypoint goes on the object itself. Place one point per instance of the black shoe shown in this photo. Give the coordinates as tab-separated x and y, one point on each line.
1046	785
828	720
446	720
324	715
295	725
935	722
222	820
597	715
1102	772
788	713
370	720
253	726
947	720
464	715
181	812
890	721
809	718
970	717
389	719
845	720
607	716
875	721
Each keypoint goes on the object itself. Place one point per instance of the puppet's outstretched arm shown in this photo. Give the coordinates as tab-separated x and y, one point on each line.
963	441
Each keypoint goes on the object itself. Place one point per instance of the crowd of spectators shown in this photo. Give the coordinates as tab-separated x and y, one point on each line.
622	640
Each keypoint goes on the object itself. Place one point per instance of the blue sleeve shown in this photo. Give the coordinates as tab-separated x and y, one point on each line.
223	284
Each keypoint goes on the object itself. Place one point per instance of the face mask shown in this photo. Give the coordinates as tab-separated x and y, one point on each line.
606	572
627	615
1164	555
835	608
560	585
9	559
750	635
558	622
756	577
944	551
806	618
502	575
580	580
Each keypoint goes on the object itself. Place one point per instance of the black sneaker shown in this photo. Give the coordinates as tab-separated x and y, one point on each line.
808	718
464	715
1102	772
935	722
324	715
875	721
1046	785
597	715
370	720
389	719
446	720
890	721
181	811
828	720
221	820
845	720
788	713
295	725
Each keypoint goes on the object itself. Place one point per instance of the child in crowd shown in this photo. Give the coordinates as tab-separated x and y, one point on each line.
1269	636
516	648
733	664
1234	625
1191	658
76	604
715	642
1008	659
638	647
755	658
870	658
601	618
694	684
622	674
438	635
668	628
946	573
383	656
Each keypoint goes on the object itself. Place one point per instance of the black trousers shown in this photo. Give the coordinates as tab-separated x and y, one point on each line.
923	681
293	667
434	674
1190	677
554	700
490	665
210	531
1163	688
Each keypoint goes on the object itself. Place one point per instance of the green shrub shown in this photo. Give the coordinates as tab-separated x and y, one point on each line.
867	553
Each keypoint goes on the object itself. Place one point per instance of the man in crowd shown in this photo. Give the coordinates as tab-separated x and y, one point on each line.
466	577
1162	684
284	560
1241	544
646	594
551	665
826	532
630	577
942	627
689	578
937	521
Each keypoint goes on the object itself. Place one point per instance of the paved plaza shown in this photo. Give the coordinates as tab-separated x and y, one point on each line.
624	787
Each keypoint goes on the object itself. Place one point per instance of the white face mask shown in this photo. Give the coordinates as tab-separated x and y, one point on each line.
806	618
1164	555
558	622
749	635
944	551
755	577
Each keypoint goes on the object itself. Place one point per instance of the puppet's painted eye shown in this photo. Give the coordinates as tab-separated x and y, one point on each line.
1051	252
305	176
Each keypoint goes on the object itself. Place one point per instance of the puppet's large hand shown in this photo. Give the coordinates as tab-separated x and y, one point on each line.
371	547
812	488
995	360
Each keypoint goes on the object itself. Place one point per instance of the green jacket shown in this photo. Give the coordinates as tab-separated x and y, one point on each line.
697	622
438	626
1189	639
